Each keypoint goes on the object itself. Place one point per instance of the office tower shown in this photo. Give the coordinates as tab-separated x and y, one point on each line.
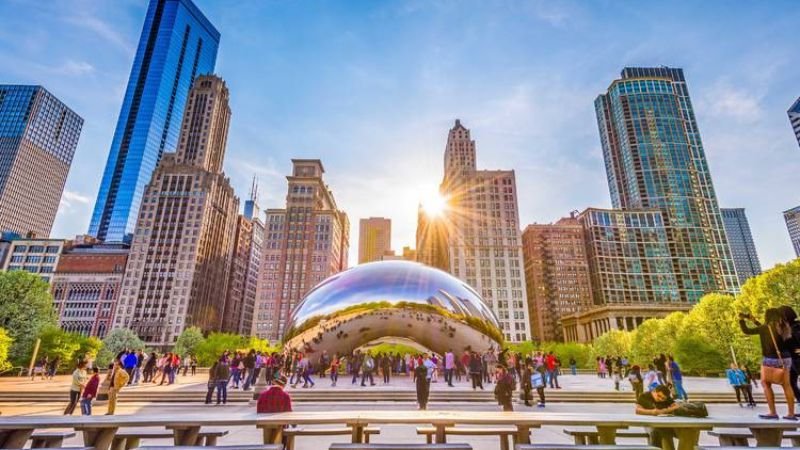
86	286
177	44
304	243
794	119
179	264
556	274
654	158
792	218
38	136
374	239
432	240
39	256
743	249
243	280
482	223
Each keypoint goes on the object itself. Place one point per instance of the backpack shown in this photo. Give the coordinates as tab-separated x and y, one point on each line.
692	409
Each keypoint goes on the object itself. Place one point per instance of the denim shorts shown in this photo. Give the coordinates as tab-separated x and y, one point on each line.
777	363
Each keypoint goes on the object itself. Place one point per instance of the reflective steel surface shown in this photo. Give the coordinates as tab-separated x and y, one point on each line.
392	298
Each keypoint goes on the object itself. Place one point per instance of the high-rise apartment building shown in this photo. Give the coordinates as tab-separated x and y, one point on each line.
556	274
792	218
38	137
87	285
179	263
177	44
304	243
743	249
482	221
794	119
654	158
374	239
243	280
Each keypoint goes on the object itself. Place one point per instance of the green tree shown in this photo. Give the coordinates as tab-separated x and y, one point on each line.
215	344
188	341
715	321
89	348
565	351
695	354
26	307
776	287
115	341
5	347
57	343
613	343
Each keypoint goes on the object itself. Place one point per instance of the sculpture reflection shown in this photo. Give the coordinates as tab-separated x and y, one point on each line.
392	298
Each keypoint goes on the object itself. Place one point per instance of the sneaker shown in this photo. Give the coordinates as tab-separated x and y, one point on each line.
540	405
768	416
792	418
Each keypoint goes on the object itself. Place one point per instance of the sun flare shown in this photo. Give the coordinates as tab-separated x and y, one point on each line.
434	204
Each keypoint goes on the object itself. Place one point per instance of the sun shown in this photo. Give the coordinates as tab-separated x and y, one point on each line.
434	204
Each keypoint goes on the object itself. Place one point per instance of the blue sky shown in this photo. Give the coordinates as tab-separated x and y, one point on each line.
372	87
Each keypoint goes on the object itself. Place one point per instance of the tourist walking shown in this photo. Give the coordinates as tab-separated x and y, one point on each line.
775	336
573	366
194	365
129	362
738	380
386	368
223	373
676	376
119	379
552	370
504	388
52	367
90	392
525	382
79	379
537	382
367	366
423	385
335	361
212	382
475	371
790	316
449	366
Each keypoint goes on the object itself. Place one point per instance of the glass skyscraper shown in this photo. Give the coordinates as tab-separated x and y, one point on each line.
654	159
38	137
792	218
177	44
794	119
743	249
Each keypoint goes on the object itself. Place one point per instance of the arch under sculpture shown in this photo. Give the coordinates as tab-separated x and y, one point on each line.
392	299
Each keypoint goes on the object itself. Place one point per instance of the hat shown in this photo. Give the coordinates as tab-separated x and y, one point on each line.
280	381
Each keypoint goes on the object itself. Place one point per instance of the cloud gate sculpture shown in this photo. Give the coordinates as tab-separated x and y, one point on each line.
401	299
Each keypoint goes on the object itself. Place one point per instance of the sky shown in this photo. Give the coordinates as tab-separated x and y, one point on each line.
372	87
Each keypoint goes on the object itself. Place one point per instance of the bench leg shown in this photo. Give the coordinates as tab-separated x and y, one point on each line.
99	438
606	436
273	435
429	438
211	441
796	442
186	436
15	438
290	442
132	443
441	436
366	438
523	434
687	438
503	442
766	437
358	434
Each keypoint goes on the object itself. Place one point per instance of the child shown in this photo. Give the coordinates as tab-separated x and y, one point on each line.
537	381
90	392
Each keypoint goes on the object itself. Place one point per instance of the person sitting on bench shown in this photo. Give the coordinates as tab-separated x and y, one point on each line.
657	402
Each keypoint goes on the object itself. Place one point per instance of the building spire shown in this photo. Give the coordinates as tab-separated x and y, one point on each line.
254	189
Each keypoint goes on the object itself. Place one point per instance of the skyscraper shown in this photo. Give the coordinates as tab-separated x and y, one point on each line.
743	249
433	248
556	275
38	136
482	223
304	243
179	264
794	119
374	239
792	218
177	44
654	158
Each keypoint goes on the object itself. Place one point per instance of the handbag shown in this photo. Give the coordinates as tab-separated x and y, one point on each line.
774	375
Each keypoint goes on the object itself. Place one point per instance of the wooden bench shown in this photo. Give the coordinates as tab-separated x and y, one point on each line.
131	439
400	447
733	438
590	436
503	432
292	433
582	447
50	439
794	437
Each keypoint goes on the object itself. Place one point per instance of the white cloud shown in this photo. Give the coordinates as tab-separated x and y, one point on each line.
74	68
726	100
72	199
103	30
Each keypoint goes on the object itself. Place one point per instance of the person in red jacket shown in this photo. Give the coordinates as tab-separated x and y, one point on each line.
90	392
275	399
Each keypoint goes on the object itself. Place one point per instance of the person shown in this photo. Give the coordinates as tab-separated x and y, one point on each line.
525	383
119	378
194	365
475	370
573	366
79	378
386	368
129	363
449	366
790	316
637	383
275	399
775	336
335	361
651	378
657	403
677	379
504	388
552	373
738	380
367	366
90	392
52	368
249	367
187	361
222	376
537	382
422	384
212	382
39	368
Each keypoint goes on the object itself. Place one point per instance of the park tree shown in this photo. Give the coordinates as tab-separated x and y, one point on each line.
116	341
26	307
776	287
215	344
5	347
613	343
698	355
189	340
714	320
57	343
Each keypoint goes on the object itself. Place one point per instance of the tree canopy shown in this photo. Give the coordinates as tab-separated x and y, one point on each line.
26	308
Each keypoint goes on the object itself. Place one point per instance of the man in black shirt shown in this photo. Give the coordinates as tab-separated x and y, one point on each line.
656	403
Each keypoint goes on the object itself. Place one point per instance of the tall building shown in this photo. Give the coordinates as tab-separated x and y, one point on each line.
87	285
39	256
484	242
432	240
556	274
177	44
374	239
38	136
794	119
743	249
304	243
654	158
179	263
792	218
